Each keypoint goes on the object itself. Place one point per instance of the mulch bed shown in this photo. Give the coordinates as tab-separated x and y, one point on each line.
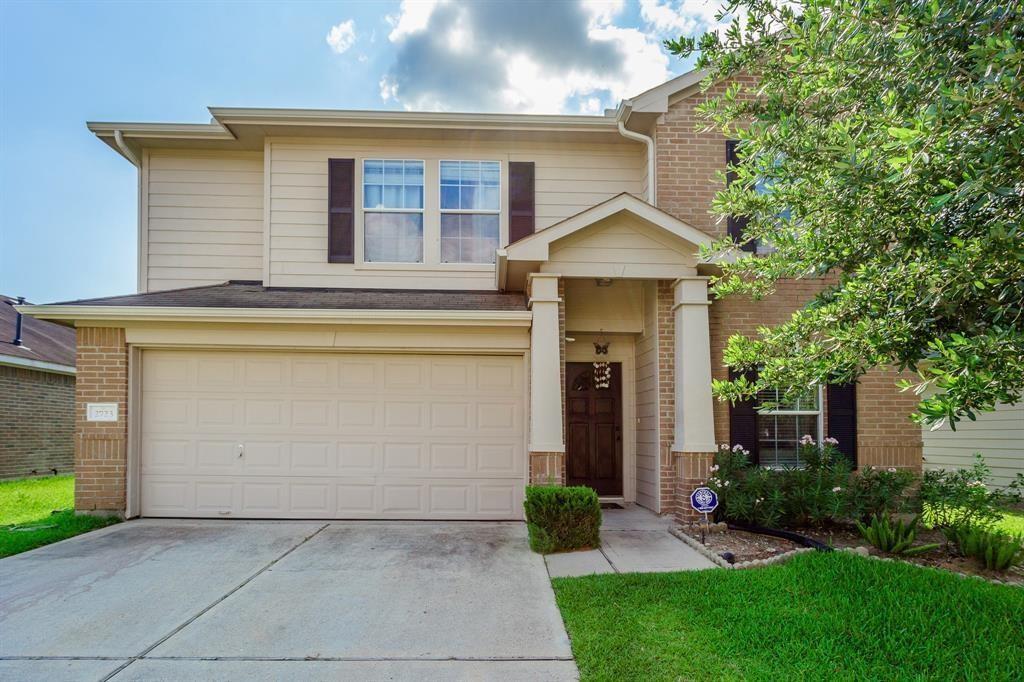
746	546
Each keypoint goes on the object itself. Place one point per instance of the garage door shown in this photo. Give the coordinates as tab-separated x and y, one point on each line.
303	435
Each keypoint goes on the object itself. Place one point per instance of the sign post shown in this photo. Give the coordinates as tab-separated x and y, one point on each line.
705	501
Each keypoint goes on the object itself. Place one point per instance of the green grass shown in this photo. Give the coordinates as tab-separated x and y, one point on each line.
819	616
30	503
1012	522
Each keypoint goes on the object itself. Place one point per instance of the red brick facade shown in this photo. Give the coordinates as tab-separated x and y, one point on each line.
37	422
101	447
688	163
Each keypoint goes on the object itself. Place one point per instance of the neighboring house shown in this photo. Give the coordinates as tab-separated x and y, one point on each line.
997	435
350	314
37	395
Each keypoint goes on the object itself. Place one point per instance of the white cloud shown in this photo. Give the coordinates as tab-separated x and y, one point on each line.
559	56
342	36
681	17
413	16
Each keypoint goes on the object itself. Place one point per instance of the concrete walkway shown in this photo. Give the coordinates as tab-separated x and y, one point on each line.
633	540
250	600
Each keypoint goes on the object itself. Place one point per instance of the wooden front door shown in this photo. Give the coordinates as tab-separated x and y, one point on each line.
594	427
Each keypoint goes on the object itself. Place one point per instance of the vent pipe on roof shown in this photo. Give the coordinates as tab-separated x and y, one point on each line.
17	323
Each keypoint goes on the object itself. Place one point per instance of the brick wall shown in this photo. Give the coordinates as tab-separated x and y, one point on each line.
885	435
688	163
37	422
100	447
666	394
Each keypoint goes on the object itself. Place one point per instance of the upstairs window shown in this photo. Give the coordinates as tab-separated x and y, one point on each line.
392	211
470	211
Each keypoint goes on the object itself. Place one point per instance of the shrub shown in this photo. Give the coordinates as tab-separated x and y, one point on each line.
825	490
995	551
894	537
962	498
878	492
562	518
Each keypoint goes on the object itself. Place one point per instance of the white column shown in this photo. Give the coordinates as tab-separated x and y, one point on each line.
545	366
695	421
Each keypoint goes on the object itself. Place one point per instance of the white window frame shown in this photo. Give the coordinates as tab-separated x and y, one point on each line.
466	211
422	211
819	422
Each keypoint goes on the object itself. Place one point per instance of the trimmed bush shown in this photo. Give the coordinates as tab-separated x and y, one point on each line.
561	519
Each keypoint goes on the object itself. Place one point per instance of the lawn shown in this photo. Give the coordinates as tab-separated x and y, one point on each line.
1012	522
31	503
819	616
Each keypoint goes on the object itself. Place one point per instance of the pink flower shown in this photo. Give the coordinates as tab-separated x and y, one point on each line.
837	489
807	440
714	467
831	441
723	446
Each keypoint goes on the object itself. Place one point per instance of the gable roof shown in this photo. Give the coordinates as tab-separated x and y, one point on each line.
537	245
43	343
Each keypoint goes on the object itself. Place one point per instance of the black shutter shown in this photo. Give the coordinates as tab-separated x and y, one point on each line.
520	200
736	224
842	418
743	421
341	235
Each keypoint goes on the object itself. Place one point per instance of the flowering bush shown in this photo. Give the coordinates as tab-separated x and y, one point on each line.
825	490
962	498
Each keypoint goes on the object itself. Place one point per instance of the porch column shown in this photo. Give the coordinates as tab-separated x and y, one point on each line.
693	444
547	449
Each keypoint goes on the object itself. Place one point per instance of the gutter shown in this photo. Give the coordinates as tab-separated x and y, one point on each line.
125	150
621	116
121	314
40	365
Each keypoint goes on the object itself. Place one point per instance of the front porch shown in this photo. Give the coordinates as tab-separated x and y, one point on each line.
620	357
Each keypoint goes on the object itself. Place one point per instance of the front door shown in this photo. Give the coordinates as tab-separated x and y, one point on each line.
594	426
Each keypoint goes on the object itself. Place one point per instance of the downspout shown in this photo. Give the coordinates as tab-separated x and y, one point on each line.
652	181
123	146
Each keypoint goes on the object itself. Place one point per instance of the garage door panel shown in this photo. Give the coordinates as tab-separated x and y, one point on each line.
332	436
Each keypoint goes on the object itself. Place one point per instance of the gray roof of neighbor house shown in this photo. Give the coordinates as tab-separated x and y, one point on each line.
41	341
245	294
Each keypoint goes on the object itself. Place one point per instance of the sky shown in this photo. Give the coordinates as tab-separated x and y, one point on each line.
68	203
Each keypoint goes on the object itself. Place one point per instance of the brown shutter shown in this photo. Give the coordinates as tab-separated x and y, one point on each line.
736	224
341	235
520	200
842	418
743	421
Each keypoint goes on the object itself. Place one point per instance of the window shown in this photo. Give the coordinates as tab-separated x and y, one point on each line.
780	427
470	211
392	211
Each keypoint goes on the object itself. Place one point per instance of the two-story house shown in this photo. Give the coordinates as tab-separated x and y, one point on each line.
354	314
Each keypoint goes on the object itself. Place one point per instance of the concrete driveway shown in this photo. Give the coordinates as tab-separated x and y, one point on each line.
228	600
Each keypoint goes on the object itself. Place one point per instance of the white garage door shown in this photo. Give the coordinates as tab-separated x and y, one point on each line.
347	436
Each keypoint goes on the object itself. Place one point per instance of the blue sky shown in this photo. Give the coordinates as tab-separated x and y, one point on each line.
68	203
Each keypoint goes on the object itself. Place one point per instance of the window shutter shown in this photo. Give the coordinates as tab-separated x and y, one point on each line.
520	200
743	421
842	418
736	224
341	234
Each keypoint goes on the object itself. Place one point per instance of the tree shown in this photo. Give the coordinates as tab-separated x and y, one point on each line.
881	141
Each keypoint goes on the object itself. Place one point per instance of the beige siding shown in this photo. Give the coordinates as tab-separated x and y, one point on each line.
203	218
998	436
570	177
647	403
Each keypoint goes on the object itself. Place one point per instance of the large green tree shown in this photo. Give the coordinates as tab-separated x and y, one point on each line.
882	141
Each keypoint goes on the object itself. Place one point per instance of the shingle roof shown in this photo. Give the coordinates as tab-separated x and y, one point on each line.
244	294
41	341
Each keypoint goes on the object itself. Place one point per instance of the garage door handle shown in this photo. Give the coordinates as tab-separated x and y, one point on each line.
241	449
